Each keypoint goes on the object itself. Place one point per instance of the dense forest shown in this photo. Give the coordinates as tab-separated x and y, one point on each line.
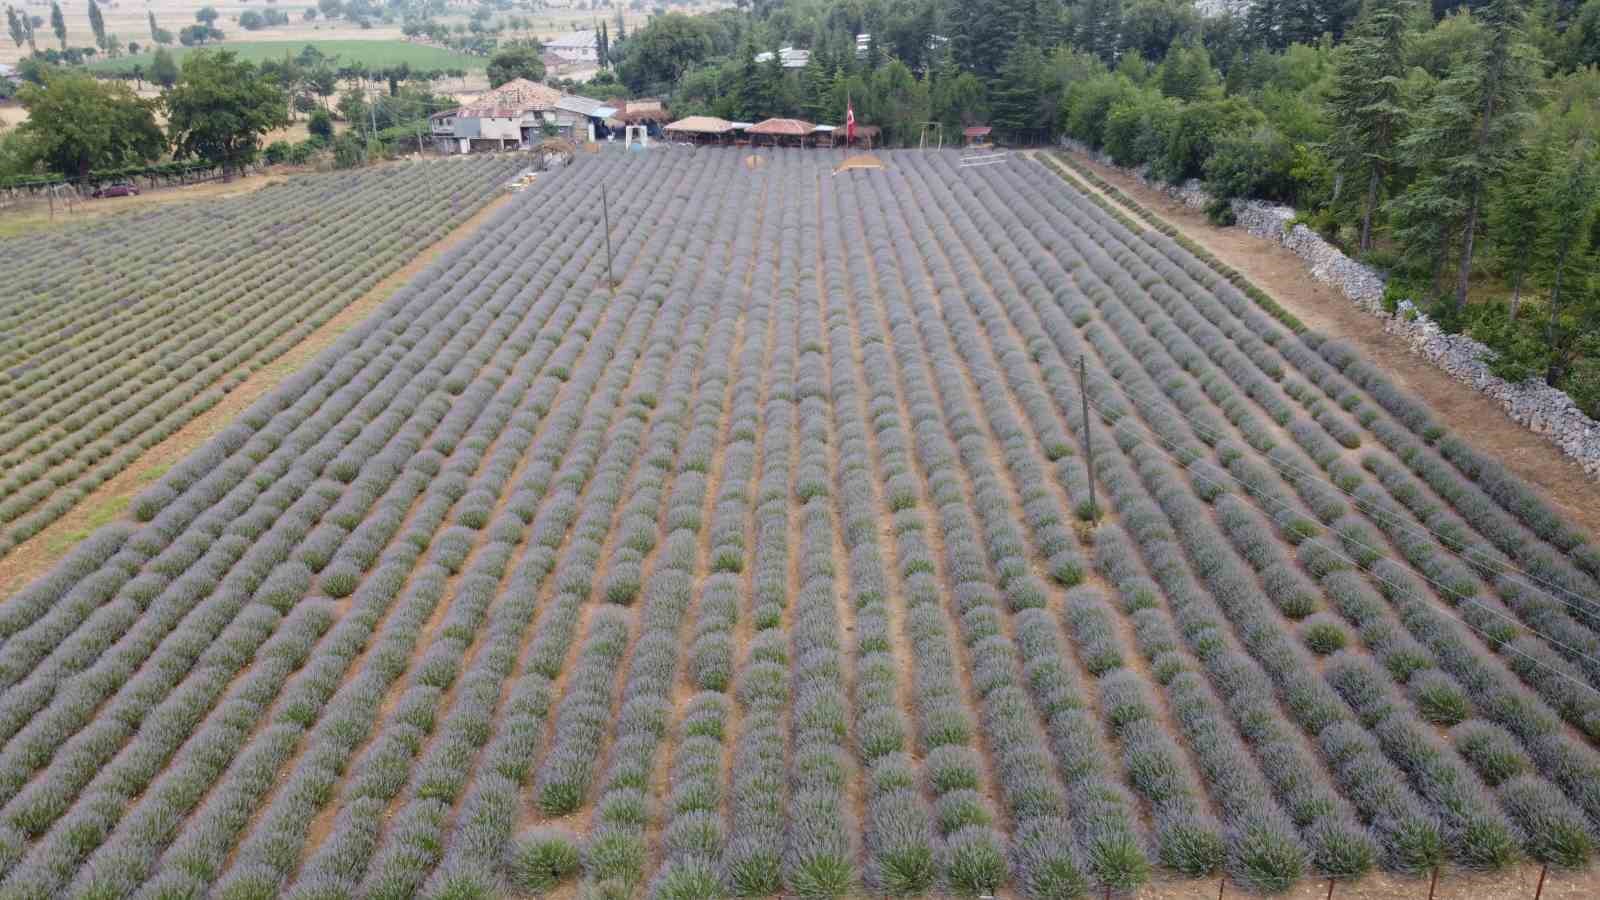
1452	144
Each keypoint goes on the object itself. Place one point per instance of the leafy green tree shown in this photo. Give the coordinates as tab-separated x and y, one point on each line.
219	109
58	23
321	125
206	15
97	24
516	62
897	102
1153	27
1365	102
163	69
76	124
1186	73
657	55
957	99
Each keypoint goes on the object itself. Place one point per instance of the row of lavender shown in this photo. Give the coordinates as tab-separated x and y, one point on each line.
116	335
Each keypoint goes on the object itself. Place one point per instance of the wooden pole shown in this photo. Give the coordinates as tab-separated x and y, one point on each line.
1539	891
1433	883
1088	438
605	209
1222	885
1330	889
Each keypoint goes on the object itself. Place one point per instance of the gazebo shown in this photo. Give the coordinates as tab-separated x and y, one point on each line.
701	129
780	130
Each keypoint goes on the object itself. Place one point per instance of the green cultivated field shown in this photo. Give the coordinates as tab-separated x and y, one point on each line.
375	54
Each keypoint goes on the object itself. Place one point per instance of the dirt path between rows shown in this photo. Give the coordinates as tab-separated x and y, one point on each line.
34	557
1473	416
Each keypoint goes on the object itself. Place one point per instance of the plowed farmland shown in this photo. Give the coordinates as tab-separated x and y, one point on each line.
921	530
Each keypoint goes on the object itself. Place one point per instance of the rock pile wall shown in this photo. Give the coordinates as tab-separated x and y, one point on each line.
1543	409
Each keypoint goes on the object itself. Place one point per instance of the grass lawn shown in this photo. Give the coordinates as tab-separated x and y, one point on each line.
376	54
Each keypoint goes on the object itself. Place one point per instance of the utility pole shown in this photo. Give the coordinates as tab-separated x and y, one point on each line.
605	210
1088	438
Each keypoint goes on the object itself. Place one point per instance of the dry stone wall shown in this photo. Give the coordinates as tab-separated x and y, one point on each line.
1543	409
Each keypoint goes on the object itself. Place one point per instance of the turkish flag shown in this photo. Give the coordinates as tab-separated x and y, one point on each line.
849	122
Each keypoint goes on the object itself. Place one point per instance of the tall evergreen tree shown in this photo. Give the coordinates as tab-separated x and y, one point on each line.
17	26
1365	103
58	23
155	30
1014	95
983	34
97	24
1566	256
1515	212
816	87
1499	87
1097	28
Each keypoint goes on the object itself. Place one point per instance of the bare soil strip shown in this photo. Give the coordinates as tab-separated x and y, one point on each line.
34	557
1470	415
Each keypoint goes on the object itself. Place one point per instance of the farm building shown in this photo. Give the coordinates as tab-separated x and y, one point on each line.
575	46
519	113
476	128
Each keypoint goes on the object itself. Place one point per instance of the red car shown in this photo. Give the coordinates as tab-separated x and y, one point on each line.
117	189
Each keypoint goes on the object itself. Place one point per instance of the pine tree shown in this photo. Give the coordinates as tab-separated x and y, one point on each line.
984	33
1097	28
155	31
816	87
1365	104
58	23
622	27
774	88
603	45
1565	256
1501	82
97	24
1514	215
1014	95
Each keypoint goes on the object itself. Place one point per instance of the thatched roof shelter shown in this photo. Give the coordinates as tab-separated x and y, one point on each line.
782	131
783	128
701	125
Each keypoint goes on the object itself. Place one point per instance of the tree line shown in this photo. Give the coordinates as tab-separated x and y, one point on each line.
1452	143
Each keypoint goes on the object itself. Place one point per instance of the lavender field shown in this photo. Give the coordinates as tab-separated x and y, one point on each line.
115	335
776	571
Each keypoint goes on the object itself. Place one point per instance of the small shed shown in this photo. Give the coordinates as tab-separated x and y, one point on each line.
794	132
701	129
588	117
978	136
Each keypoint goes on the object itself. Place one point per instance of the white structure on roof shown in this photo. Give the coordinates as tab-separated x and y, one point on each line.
575	46
788	57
